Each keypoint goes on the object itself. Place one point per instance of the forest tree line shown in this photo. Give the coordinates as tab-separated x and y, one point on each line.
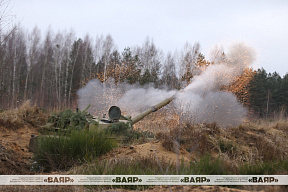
49	70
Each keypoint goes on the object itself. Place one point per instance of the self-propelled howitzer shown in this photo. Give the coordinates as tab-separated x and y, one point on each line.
115	119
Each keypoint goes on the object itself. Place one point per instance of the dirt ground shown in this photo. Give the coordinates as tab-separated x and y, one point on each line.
15	157
153	148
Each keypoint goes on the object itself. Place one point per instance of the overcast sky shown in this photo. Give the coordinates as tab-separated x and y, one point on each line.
261	24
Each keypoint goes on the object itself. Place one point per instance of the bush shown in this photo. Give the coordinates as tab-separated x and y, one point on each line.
61	151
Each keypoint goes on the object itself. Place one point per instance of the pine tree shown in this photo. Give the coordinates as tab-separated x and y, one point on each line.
258	93
131	66
146	78
284	92
273	92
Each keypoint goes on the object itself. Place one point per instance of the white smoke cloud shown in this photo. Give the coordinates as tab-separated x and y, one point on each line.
140	99
220	107
101	96
201	101
132	99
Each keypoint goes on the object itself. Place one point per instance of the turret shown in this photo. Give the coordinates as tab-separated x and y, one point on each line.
115	116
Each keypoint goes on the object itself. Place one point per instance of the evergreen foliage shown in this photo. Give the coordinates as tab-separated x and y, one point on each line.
68	119
268	93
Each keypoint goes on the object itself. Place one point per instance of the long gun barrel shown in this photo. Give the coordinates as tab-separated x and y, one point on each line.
151	110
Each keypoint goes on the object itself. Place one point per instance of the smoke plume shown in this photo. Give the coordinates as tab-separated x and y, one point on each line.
140	99
100	96
132	99
201	101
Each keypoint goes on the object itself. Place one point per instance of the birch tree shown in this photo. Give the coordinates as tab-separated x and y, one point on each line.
33	47
169	77
188	61
87	60
73	56
59	57
217	55
150	58
107	47
66	51
46	61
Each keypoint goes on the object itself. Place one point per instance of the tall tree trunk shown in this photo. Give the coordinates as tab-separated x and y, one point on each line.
66	82
26	82
14	76
72	74
42	85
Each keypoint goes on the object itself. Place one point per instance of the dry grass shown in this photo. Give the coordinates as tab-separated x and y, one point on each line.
25	114
51	188
150	189
252	142
161	121
193	138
